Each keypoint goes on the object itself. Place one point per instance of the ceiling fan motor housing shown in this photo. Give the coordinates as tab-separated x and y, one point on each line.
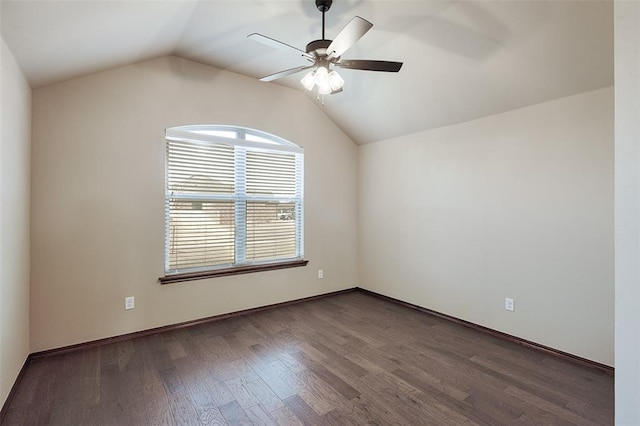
323	5
318	48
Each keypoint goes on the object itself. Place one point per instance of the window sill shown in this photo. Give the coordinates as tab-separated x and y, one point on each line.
237	270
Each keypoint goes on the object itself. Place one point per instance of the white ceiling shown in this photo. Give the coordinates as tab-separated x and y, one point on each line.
462	59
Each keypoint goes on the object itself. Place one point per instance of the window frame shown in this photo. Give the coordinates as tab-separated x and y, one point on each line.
243	140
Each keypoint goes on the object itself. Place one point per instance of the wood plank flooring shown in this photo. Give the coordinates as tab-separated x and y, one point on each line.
349	359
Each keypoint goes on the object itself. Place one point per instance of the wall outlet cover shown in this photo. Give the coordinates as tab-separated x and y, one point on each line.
508	304
129	302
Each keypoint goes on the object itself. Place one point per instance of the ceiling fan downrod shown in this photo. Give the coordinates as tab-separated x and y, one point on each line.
323	6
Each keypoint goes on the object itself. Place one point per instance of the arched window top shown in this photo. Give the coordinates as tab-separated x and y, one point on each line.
232	135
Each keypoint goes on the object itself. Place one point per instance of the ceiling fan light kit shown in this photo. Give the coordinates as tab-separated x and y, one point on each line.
328	82
326	54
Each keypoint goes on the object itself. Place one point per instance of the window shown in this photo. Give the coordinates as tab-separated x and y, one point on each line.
233	202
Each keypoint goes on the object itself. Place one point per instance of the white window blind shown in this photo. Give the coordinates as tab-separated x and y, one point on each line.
234	196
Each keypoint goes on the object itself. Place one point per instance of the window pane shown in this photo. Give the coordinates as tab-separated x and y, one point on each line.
199	168
256	138
201	233
271	174
271	231
230	134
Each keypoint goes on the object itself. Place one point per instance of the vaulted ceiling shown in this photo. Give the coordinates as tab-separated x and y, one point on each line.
462	59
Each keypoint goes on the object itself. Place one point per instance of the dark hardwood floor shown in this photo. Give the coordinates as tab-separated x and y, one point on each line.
348	359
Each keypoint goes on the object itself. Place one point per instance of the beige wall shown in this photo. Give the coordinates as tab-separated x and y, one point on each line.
98	198
15	116
515	205
627	195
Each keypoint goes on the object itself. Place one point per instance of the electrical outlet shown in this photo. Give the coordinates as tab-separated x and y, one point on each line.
320	274
129	302
508	304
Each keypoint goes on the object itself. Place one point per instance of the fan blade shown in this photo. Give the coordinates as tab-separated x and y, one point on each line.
286	73
362	64
351	33
272	42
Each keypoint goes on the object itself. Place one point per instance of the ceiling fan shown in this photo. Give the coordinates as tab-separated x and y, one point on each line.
324	55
